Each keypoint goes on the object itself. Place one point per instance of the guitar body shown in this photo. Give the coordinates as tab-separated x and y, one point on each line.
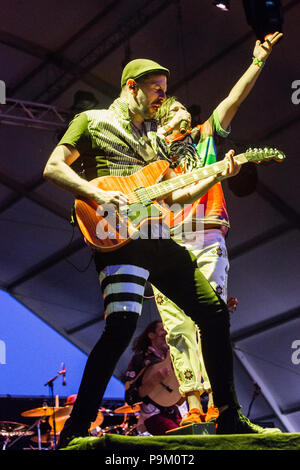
104	227
166	393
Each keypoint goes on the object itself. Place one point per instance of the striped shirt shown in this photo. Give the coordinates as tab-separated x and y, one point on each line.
109	144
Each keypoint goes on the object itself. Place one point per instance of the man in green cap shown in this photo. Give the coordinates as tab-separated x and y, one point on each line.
119	141
138	67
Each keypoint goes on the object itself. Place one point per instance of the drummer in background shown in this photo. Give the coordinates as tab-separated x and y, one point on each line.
150	348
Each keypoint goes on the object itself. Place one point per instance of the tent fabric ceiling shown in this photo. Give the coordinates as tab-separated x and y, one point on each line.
49	51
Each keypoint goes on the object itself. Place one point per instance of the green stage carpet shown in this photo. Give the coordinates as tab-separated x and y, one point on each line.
112	442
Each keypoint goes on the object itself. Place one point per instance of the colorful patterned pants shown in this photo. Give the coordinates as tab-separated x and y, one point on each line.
210	251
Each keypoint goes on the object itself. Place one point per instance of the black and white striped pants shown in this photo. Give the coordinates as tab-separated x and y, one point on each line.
123	288
169	267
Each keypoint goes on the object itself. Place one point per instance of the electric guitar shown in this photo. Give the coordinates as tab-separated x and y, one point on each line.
106	229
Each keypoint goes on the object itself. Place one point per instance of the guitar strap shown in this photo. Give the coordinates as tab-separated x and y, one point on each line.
139	375
132	391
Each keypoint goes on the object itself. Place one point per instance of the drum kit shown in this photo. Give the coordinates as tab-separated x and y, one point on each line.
50	421
126	428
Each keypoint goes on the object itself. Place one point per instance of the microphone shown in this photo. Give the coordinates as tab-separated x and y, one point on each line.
63	373
183	127
257	389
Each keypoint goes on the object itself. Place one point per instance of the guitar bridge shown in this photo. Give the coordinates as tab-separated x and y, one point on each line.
166	387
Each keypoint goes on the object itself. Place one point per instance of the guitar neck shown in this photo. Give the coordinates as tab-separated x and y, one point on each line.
165	187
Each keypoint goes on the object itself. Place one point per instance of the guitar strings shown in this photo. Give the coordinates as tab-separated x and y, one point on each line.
170	185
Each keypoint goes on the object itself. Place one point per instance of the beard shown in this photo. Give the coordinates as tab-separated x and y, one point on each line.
146	109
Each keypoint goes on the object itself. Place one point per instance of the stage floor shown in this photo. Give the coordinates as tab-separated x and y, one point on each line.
140	444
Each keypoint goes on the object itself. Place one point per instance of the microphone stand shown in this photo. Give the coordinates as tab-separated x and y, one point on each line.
256	392
50	385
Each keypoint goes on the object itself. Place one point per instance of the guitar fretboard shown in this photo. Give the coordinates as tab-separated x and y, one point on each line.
165	187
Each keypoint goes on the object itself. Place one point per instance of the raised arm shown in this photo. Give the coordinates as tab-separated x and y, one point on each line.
229	106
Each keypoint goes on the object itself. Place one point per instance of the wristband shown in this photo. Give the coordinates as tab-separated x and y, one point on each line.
259	63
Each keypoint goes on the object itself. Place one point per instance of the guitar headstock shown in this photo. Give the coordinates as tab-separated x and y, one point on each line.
259	155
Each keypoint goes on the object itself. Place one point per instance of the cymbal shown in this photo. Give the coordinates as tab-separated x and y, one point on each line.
62	414
128	409
59	424
39	412
9	428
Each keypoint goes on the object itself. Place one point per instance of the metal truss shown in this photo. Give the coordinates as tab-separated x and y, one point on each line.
29	114
63	79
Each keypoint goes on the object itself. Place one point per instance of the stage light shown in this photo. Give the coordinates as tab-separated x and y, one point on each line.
264	16
223	5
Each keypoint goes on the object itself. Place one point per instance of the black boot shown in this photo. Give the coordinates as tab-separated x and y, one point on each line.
70	432
99	368
232	421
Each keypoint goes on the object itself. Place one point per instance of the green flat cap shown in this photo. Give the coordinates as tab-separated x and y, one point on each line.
138	67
